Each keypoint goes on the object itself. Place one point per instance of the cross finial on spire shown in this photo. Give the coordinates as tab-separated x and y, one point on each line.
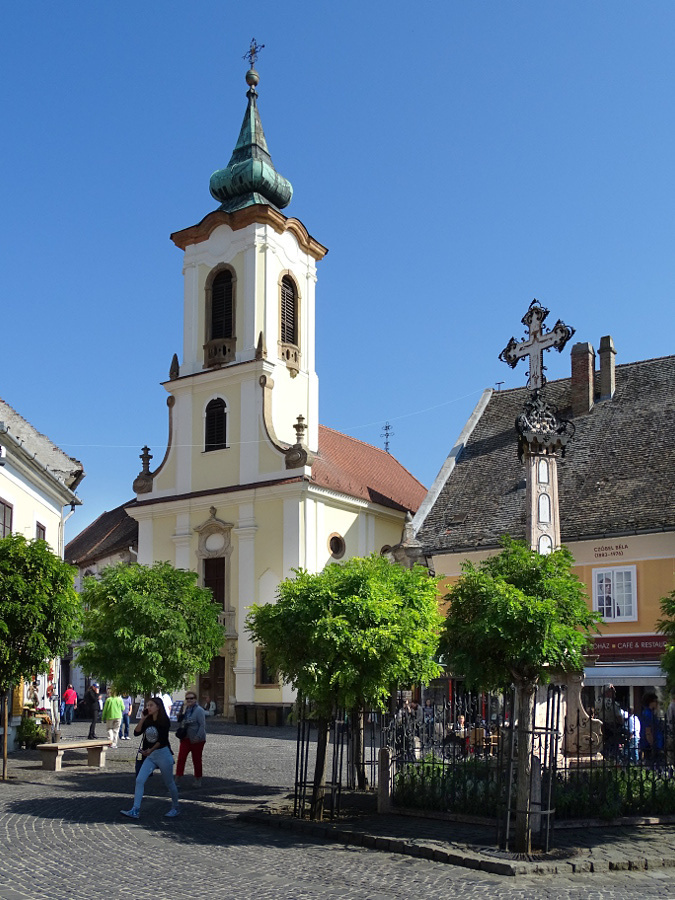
253	52
535	343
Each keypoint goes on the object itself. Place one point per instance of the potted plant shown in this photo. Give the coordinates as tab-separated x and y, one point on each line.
29	734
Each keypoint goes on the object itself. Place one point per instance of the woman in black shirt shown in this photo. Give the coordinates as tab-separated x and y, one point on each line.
154	726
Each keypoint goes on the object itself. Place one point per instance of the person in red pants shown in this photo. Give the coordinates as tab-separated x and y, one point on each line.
193	720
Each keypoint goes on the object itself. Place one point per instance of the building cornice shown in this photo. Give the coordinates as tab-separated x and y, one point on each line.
256	214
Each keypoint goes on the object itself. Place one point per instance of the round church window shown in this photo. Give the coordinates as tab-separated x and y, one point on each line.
336	545
214	542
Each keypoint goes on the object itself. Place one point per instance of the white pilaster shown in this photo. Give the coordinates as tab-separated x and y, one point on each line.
183	442
245	669
249	431
182	539
310	535
145	542
292	532
191	340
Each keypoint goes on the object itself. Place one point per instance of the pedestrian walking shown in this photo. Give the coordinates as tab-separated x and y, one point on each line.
70	702
192	734
92	708
126	717
156	750
112	716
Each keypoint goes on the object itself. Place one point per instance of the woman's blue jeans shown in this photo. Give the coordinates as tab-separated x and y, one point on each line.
162	758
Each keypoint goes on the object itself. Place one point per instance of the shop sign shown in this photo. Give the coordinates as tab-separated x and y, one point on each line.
642	647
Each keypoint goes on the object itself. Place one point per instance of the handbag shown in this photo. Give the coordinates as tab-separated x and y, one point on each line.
140	759
182	730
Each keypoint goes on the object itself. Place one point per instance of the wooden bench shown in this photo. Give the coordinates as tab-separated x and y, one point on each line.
52	754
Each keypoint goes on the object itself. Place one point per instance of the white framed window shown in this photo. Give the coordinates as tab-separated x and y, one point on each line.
545	545
544	508
615	593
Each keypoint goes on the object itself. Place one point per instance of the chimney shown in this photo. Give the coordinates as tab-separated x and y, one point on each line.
583	378
607	376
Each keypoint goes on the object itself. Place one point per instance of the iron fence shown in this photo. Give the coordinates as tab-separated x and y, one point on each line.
458	755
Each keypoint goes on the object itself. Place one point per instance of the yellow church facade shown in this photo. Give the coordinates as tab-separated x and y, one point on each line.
251	486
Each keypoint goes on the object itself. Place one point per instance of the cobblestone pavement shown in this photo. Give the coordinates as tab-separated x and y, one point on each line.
61	836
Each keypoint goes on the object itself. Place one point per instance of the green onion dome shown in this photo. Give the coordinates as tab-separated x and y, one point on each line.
250	176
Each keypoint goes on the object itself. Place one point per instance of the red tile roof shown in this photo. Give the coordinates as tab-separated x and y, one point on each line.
360	470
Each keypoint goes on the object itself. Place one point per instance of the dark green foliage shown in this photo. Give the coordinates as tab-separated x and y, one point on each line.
148	628
468	786
515	617
39	608
666	626
31	734
608	792
345	636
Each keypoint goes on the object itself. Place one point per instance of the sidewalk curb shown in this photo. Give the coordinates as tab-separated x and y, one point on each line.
453	855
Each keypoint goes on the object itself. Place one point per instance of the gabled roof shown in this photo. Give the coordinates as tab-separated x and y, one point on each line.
113	532
349	466
64	468
617	478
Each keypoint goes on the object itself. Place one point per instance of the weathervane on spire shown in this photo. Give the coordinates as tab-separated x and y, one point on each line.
253	52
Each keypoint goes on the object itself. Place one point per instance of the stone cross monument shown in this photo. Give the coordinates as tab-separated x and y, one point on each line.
541	433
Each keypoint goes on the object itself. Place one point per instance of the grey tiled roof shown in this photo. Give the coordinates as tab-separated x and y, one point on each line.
617	478
65	468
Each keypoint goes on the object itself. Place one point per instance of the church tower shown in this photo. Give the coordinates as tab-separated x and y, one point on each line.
250	486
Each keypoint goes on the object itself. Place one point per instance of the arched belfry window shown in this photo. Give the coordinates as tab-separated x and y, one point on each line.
289	311
222	312
215	425
220	325
289	325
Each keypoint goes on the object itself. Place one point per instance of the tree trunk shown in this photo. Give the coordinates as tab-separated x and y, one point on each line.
319	788
5	728
357	748
526	695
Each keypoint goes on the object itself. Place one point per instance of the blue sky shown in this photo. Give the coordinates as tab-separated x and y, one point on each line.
458	159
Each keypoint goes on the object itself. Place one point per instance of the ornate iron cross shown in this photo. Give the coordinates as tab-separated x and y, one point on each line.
253	52
535	343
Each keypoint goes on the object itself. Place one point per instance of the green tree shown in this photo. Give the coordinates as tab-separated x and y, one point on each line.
148	628
39	613
516	618
346	636
666	626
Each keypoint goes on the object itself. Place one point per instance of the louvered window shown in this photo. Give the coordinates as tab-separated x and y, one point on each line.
289	312
5	519
222	314
215	437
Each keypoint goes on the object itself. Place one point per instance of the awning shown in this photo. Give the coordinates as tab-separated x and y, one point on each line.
624	675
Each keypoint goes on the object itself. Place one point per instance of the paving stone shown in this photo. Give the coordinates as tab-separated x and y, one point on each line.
48	822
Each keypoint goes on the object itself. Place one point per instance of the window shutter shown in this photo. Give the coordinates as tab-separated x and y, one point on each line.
221	306
288	312
215	430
